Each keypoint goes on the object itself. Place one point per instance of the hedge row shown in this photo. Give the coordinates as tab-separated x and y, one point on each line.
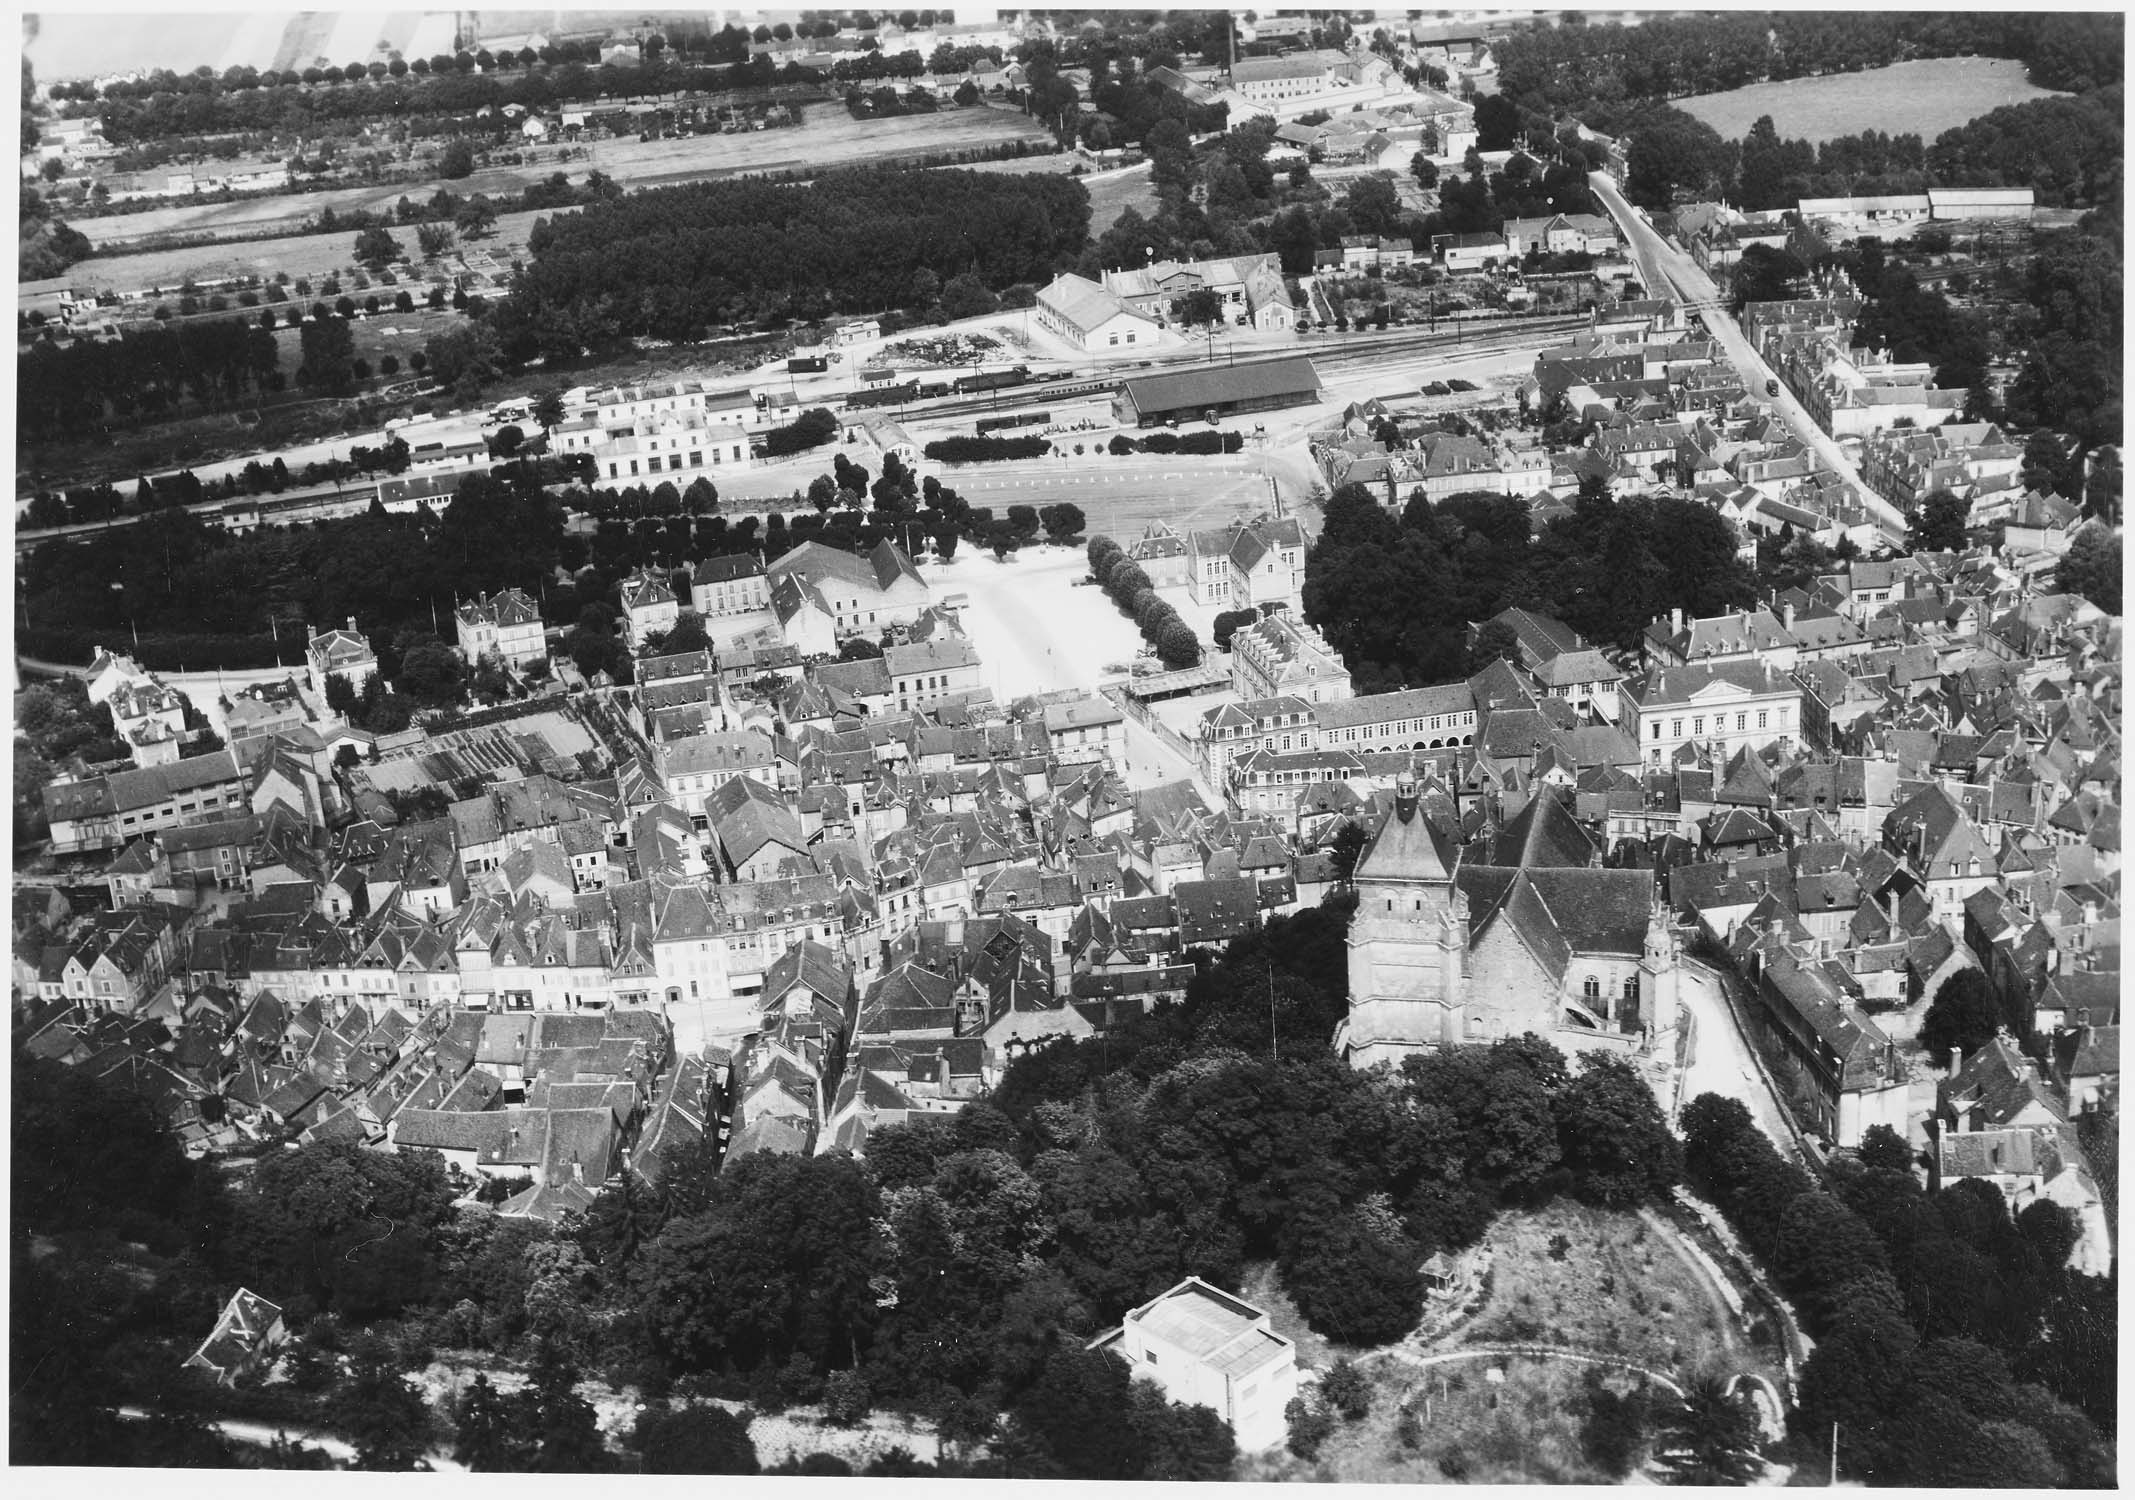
159	653
1129	586
978	450
1199	443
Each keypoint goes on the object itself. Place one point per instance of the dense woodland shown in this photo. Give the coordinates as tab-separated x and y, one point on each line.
672	262
1953	1347
1396	596
68	391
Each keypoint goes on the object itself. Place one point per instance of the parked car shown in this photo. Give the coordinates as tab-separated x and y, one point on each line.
1771	387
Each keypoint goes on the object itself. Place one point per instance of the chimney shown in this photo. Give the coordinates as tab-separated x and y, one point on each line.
1675	621
1787	616
351	624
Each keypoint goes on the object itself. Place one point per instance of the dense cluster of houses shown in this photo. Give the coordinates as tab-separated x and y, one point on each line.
1840	798
1668	413
855	891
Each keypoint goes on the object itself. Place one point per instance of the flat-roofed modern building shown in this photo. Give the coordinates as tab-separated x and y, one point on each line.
1208	1348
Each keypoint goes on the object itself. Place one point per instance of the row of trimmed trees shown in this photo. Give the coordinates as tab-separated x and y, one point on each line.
1122	578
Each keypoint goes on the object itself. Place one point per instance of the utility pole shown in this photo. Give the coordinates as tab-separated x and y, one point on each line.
1834	1454
1274	1045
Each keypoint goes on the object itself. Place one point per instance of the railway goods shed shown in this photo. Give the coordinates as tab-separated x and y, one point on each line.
1216	391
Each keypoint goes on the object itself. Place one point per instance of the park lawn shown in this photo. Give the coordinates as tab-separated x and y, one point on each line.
1922	98
1620	1288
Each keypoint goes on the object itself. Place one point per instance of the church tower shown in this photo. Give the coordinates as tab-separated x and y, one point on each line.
1408	941
1660	979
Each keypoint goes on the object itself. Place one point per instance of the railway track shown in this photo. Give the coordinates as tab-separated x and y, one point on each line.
1339	352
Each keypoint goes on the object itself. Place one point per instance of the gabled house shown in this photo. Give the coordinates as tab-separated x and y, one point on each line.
245	1336
339	653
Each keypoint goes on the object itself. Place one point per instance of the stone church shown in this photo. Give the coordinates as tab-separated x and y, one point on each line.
1518	931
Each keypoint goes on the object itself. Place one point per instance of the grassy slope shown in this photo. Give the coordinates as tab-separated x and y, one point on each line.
1620	1289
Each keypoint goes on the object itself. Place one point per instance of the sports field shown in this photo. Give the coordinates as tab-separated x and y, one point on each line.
1910	98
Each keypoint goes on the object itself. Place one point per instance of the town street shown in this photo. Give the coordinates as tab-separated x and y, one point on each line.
1722	1062
1669	272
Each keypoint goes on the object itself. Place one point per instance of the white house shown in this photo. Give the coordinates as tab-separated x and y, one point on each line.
506	624
1208	1348
1090	317
649	606
340	653
730	585
1085	730
1726	705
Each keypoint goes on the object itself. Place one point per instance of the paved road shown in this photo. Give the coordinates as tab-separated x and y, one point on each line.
1118	496
1669	271
1727	1062
264	1435
1724	1063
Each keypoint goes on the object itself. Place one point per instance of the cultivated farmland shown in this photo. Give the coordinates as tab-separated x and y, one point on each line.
308	256
830	138
1910	98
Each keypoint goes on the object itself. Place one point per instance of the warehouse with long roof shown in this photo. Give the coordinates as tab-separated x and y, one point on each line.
1206	392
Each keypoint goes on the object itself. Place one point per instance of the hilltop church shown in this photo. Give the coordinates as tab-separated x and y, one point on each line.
1520	931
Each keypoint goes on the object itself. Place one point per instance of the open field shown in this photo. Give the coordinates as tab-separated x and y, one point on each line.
1919	98
1116	192
304	256
1036	631
830	138
390	332
1619	1289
